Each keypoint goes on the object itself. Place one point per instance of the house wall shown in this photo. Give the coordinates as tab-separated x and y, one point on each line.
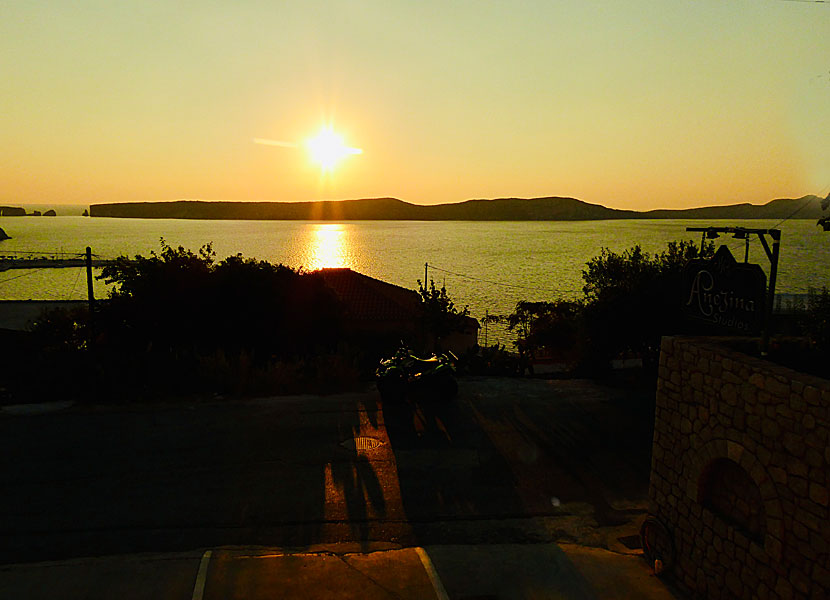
740	473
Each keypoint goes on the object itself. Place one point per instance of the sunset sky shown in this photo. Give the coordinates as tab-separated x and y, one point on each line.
628	104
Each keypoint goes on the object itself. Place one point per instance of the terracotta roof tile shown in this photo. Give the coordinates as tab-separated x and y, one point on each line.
366	298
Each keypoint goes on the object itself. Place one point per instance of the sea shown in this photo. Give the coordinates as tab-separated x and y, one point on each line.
486	266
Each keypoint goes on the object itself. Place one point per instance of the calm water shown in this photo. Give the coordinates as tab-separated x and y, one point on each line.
501	262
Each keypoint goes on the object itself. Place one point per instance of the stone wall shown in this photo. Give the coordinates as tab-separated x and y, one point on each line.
740	473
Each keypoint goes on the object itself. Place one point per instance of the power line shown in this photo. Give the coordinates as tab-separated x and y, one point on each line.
43	252
74	284
32	272
509	285
792	214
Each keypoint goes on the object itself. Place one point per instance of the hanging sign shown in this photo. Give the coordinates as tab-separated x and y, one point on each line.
725	293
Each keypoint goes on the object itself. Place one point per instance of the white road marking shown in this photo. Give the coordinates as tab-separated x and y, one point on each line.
433	574
201	577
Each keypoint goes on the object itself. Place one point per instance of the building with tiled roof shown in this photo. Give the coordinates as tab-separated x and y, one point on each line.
375	308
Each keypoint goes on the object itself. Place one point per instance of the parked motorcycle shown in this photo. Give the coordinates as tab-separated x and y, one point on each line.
405	375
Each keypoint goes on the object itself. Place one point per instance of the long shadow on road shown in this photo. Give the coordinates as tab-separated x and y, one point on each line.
281	472
509	449
107	481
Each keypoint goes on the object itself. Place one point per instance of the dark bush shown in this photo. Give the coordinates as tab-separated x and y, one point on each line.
630	299
181	323
185	304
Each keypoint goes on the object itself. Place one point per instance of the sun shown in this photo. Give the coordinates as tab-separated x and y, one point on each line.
327	149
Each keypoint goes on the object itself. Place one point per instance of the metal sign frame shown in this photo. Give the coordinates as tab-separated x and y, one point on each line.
771	249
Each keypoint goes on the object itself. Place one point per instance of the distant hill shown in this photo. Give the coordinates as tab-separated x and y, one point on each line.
392	209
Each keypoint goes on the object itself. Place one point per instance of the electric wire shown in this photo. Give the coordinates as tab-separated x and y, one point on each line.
804	205
509	285
74	284
31	272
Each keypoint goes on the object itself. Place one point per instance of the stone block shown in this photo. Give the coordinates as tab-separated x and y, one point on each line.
733	584
809	520
817	438
797	402
777	387
734	451
784	410
749	578
720	529
763	455
813	458
820	543
770	428
784	589
757	380
799	580
808	421
775	527
821	576
708	518
819	494
730	377
794	444
773	548
800	531
812	395
757	552
778	475
798	486
739	420
796	467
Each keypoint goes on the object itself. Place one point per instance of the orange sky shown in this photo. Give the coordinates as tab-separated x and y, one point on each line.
632	105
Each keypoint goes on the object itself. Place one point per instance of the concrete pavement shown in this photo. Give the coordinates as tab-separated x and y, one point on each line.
510	461
494	486
458	572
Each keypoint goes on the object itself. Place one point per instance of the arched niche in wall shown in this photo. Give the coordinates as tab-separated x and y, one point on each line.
726	489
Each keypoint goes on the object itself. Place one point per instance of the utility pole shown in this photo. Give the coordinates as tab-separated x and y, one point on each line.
90	296
426	273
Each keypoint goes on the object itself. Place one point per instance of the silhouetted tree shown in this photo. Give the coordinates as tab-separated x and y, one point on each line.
630	299
185	303
439	313
825	220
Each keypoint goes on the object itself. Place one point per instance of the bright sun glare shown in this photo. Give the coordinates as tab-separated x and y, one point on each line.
327	149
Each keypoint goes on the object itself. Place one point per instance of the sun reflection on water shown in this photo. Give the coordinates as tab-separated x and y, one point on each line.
328	246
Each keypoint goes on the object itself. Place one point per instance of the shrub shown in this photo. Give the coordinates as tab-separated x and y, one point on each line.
182	303
439	313
629	301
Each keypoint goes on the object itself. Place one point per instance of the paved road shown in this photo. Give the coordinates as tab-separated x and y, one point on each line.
510	461
486	572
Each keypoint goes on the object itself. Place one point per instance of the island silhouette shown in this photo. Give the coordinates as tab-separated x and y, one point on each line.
393	209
